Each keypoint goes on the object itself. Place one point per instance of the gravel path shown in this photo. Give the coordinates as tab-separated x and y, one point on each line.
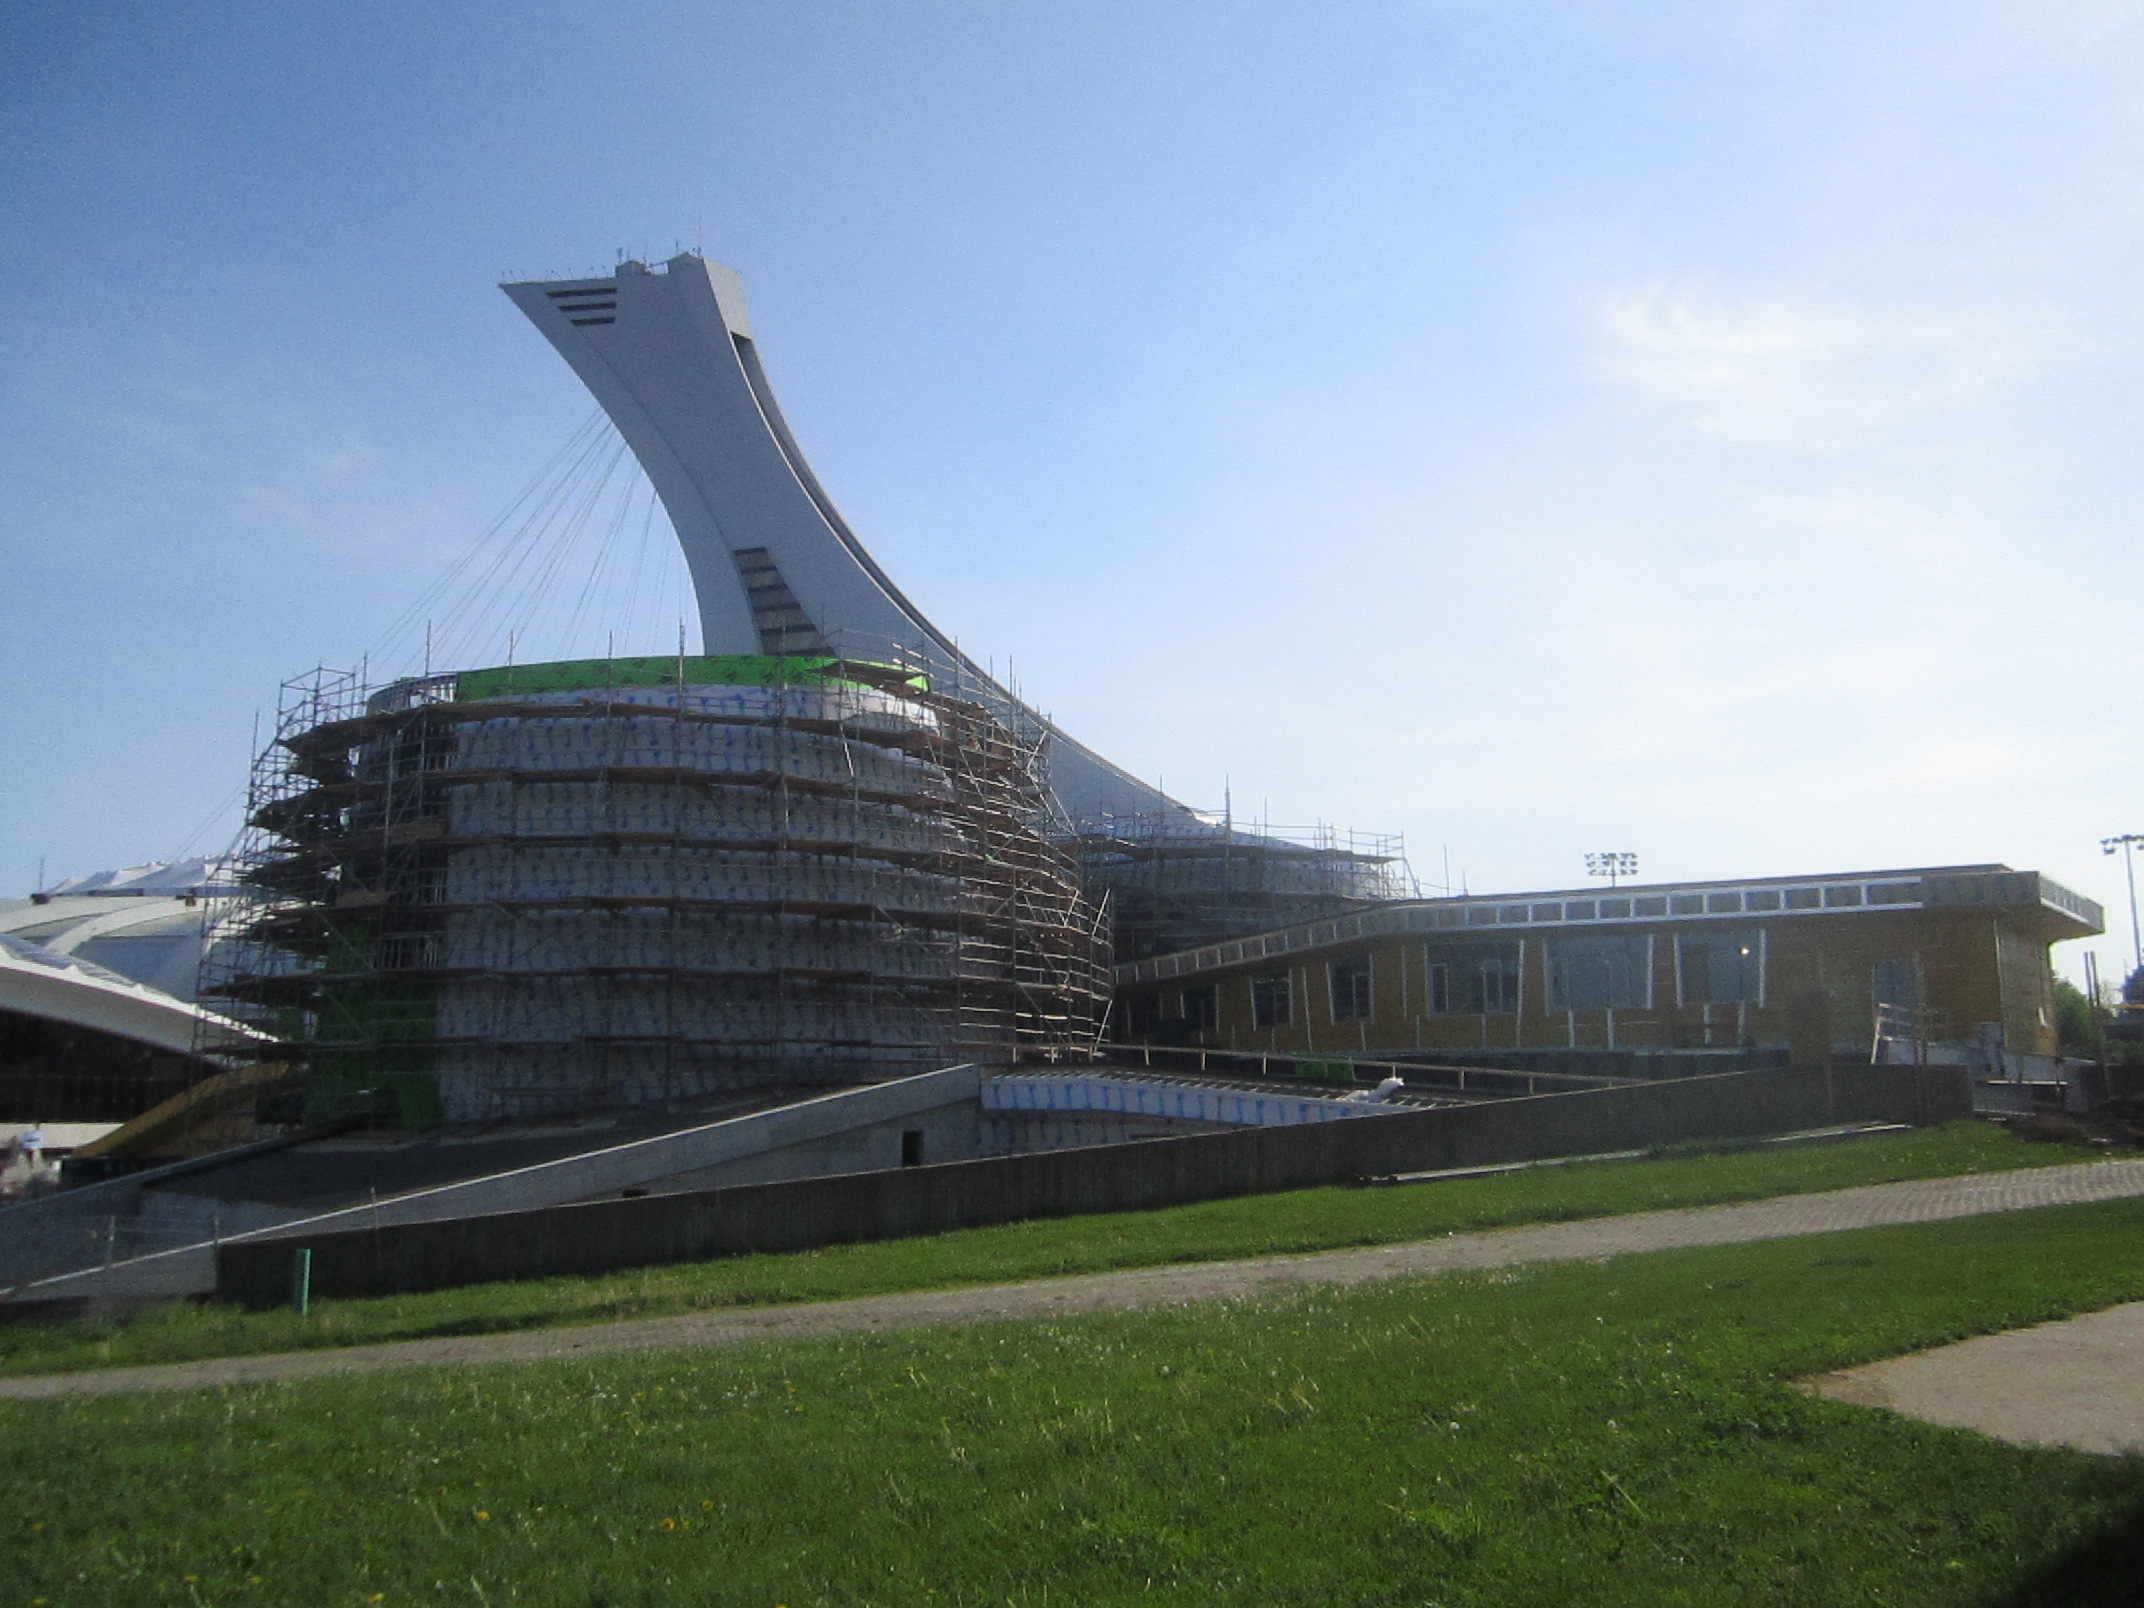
1925	1201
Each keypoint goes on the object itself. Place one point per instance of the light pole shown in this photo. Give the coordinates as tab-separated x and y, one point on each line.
2127	843
1615	863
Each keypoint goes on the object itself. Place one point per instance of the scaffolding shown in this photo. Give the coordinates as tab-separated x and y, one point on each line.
623	882
1178	882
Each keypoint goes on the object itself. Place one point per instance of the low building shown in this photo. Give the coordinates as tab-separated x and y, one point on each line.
1945	963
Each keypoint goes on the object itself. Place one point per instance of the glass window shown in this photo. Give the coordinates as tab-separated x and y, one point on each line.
1272	1002
1473	980
1687	904
1202	1007
1842	896
1655	906
1350	983
1615	909
1719	904
1141	1013
1804	898
1898	984
1579	910
1598	971
1762	899
1721	968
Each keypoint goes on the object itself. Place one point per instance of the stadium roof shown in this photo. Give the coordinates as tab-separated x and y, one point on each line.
40	982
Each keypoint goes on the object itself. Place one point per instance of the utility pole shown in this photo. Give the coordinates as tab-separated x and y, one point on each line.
2127	843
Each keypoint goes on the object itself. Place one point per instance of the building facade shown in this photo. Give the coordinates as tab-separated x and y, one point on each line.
1940	963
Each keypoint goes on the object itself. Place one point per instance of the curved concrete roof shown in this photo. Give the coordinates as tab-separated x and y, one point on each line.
55	987
147	922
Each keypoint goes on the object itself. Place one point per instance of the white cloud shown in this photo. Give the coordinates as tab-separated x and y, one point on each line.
1785	369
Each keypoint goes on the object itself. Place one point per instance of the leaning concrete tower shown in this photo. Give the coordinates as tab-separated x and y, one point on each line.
668	352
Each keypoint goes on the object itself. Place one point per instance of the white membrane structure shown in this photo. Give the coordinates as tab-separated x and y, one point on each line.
668	353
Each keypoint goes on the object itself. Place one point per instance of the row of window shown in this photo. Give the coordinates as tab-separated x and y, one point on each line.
1590	973
1727	903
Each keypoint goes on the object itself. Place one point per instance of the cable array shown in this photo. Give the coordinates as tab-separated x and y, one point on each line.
581	563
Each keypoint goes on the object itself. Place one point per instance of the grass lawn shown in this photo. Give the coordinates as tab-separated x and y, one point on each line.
1580	1434
1258	1225
1261	1225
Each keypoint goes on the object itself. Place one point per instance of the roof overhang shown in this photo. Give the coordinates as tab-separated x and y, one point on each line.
2054	911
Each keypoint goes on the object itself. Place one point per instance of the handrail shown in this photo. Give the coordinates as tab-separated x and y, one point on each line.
1263	1063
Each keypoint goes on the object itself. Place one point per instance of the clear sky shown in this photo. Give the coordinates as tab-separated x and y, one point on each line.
1701	429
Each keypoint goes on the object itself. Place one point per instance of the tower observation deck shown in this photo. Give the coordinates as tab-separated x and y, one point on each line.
668	352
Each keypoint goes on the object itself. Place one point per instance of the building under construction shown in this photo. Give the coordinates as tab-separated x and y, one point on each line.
1173	886
553	887
834	849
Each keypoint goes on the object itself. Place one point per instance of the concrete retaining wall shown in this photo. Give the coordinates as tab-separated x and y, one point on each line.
602	1236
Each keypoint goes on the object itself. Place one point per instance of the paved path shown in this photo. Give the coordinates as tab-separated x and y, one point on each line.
2078	1383
1926	1201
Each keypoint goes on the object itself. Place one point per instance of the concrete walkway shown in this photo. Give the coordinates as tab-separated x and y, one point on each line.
1926	1201
2078	1383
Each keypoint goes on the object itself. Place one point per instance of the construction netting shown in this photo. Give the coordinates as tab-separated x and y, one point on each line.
583	892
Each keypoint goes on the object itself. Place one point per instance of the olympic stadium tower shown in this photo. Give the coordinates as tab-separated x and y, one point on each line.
668	353
827	848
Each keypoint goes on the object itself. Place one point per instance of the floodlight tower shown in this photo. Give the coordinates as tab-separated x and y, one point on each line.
2127	842
1612	864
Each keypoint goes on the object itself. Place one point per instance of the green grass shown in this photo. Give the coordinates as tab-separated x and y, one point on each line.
1302	1221
1565	1436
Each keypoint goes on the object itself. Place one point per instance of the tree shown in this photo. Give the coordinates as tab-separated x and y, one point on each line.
2076	1023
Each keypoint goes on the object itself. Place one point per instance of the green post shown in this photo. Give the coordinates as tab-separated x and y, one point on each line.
301	1281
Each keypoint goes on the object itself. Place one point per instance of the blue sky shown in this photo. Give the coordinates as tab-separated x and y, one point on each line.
1707	430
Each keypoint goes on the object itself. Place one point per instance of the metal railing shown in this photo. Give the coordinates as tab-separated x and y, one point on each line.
1486	1081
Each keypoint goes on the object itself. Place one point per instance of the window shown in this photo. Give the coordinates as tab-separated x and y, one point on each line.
1599	972
1721	968
1350	983
1842	896
1762	899
1654	906
1272	1002
1898	984
1722	904
1142	1013
1473	980
1202	1007
1686	904
1615	909
1804	898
